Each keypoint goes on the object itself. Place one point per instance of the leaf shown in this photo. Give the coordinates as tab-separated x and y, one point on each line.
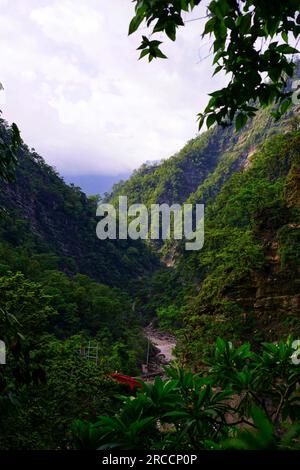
135	23
240	121
286	49
245	23
217	70
262	422
160	54
211	119
285	105
209	26
176	414
171	31
200	119
144	53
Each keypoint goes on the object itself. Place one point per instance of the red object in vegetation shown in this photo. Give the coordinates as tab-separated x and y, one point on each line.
125	379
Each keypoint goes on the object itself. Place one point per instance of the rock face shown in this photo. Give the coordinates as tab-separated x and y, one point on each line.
270	298
270	305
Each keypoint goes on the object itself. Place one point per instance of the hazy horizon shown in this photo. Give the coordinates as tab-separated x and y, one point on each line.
81	98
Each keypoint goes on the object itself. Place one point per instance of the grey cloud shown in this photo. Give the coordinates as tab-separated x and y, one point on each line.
81	97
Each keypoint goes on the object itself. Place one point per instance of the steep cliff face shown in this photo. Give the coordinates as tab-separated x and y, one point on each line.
270	299
249	269
277	295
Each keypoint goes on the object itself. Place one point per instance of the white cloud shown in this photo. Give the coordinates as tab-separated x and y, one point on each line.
66	20
79	94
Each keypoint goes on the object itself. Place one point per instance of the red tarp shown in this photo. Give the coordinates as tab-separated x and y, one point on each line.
125	379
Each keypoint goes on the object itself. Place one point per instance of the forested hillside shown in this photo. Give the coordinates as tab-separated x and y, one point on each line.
244	283
248	271
203	164
50	219
61	290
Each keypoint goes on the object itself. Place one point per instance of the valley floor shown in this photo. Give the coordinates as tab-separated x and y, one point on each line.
164	344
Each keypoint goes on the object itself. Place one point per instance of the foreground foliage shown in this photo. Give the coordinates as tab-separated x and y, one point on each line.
246	400
245	45
46	383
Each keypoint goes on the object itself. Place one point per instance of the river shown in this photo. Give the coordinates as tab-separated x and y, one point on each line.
164	344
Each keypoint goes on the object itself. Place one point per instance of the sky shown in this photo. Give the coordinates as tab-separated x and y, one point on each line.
80	96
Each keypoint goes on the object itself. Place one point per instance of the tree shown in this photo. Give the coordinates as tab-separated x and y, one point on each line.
8	152
251	42
24	316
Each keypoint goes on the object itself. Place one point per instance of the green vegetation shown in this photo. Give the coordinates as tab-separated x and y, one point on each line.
54	225
252	246
174	179
9	144
62	289
244	38
246	400
247	278
47	383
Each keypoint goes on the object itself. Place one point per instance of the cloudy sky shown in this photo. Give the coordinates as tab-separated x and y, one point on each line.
81	98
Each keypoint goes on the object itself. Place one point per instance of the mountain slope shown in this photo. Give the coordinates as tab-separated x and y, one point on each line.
248	273
245	282
202	165
49	218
